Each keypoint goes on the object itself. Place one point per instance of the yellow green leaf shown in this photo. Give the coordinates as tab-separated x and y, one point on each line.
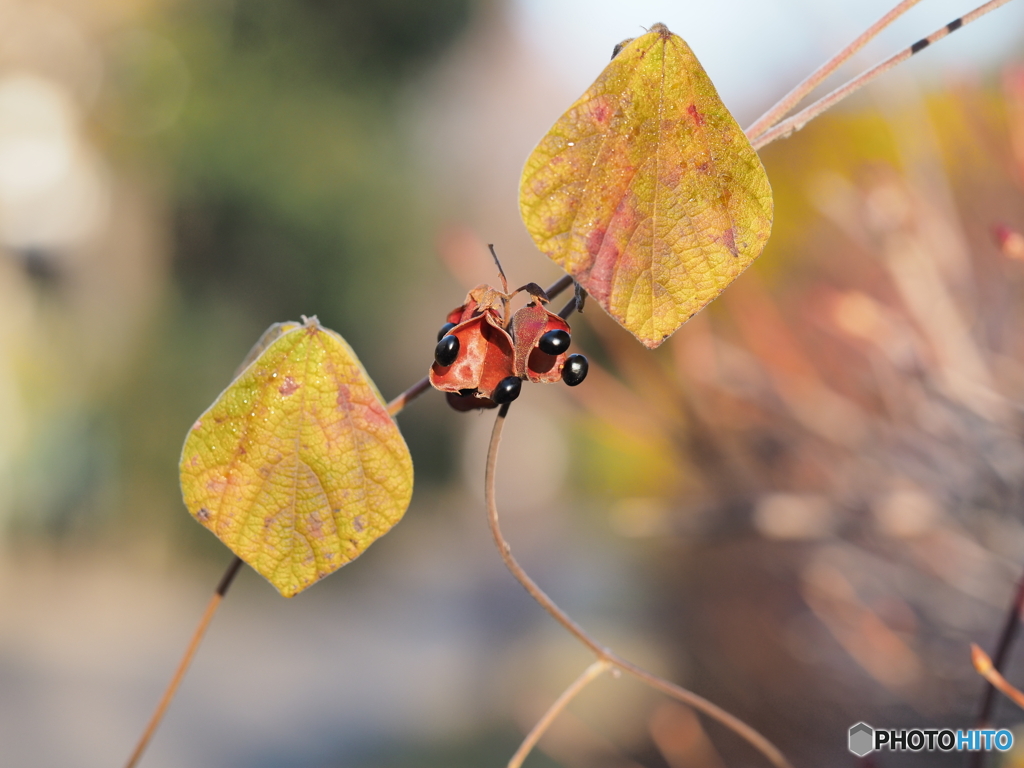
297	467
646	190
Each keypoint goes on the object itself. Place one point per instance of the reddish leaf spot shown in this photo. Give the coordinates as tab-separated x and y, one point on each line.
601	111
198	424
729	240
203	514
698	118
594	240
289	386
359	522
344	396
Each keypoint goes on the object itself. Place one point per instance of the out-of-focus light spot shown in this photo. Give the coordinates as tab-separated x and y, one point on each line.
37	135
793	516
1010	241
54	190
859	315
639	517
905	513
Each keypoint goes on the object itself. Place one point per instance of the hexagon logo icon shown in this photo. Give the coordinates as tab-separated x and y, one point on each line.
862	738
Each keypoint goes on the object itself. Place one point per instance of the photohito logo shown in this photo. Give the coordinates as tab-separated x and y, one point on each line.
864	739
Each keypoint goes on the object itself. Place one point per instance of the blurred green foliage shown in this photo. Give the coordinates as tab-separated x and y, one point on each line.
291	193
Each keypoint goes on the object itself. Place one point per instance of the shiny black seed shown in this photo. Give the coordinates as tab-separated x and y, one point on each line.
508	389
575	370
554	342
446	351
444	330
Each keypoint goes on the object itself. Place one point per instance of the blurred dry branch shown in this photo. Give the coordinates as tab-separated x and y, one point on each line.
844	427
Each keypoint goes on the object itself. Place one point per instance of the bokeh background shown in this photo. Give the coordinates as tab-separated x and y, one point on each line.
804	506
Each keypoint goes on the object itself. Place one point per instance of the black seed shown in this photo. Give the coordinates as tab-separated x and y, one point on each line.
554	342
575	370
444	330
508	389
446	351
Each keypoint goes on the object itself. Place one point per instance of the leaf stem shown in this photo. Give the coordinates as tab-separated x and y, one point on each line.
183	665
816	78
589	674
755	739
800	119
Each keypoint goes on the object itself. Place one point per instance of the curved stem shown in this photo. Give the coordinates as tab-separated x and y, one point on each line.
755	739
183	665
800	119
816	78
589	674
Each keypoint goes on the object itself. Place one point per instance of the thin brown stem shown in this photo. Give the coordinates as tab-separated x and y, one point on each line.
816	78
565	281
984	666
395	406
589	674
800	119
183	665
755	739
1011	625
569	309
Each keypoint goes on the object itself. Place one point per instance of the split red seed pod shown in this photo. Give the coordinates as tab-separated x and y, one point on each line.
485	358
528	325
481	298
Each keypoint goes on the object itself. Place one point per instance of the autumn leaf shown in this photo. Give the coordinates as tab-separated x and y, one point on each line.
646	190
297	467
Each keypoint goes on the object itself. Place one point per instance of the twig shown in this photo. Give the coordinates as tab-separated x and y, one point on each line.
395	406
558	286
800	119
190	652
755	739
988	698
816	78
983	664
589	674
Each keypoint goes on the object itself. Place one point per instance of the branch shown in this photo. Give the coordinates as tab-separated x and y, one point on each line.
190	652
816	78
589	674
755	739
983	664
395	406
800	119
988	698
